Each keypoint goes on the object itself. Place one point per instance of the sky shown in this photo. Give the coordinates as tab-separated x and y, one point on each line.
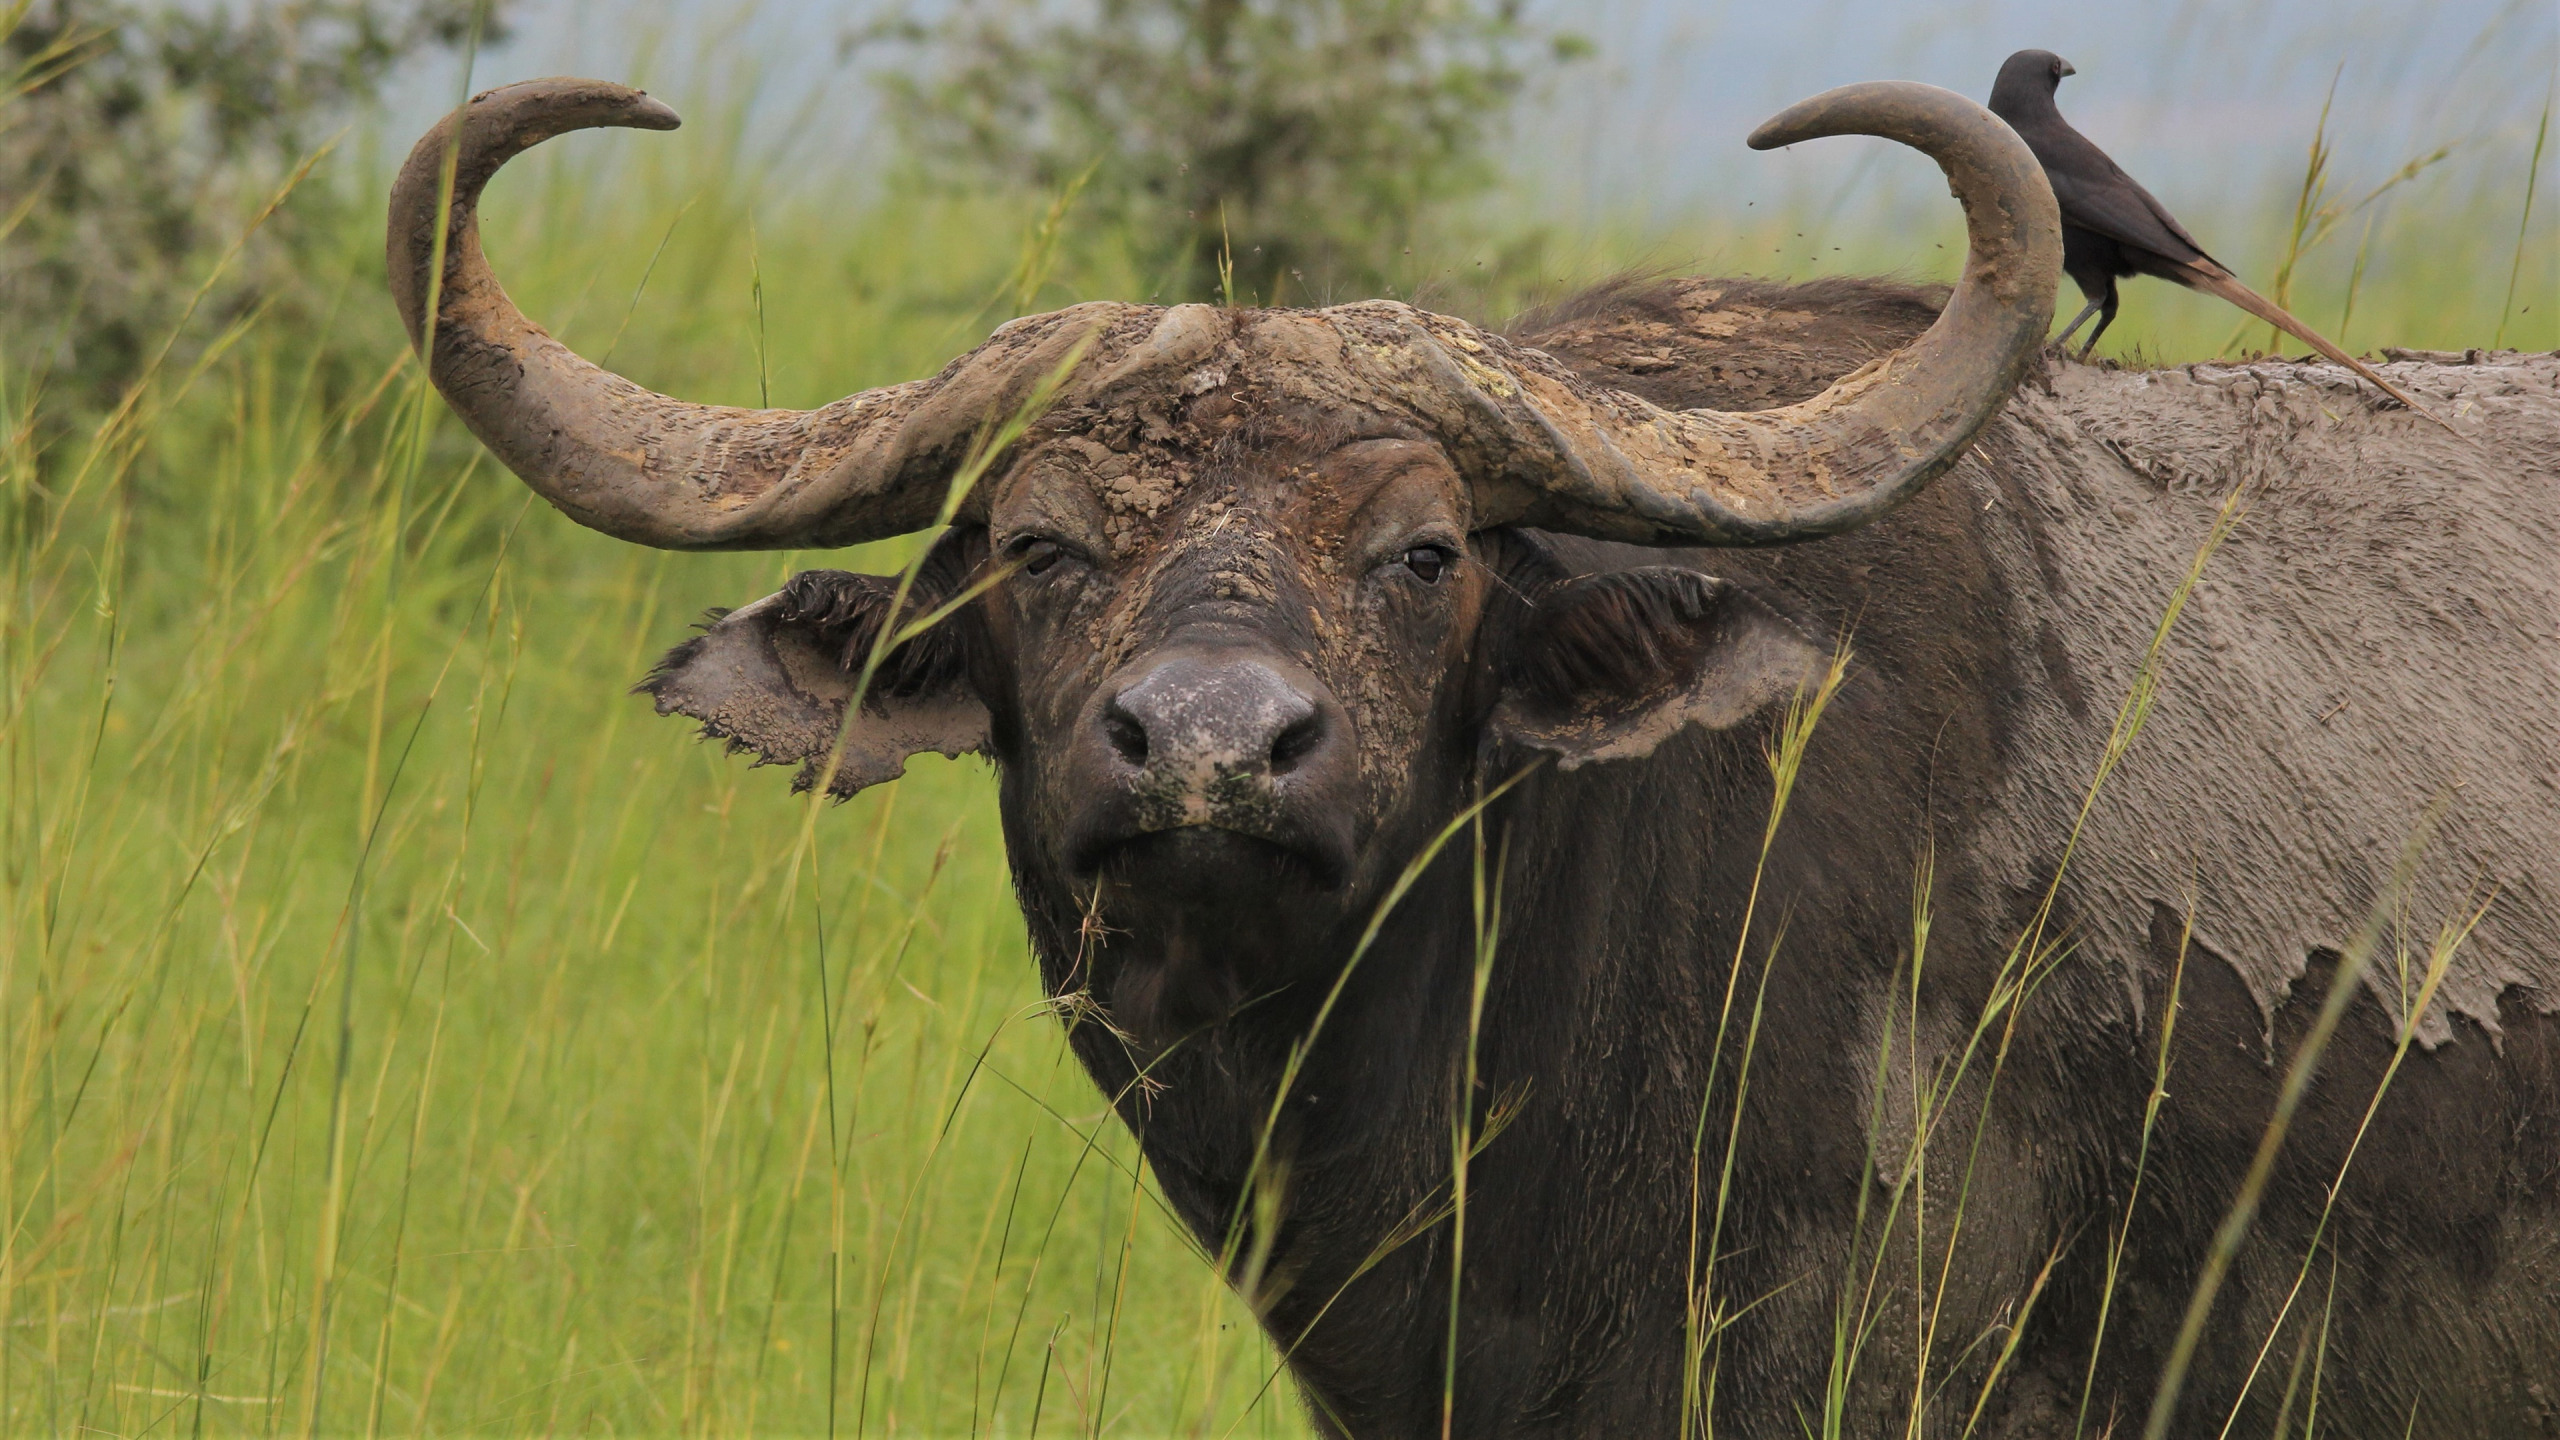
2201	96
2210	102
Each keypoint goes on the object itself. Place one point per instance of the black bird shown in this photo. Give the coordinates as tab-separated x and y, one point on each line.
2111	226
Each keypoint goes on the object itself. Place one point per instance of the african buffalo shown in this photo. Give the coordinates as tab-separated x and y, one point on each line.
1775	1130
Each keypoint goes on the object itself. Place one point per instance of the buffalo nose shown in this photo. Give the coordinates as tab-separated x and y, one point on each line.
1199	719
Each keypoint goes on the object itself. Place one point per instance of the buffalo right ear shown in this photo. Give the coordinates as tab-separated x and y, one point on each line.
776	676
1606	667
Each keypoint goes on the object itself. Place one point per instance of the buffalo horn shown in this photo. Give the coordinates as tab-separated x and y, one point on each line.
1597	461
642	466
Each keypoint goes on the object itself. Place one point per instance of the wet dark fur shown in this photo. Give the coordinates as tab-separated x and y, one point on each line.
1624	898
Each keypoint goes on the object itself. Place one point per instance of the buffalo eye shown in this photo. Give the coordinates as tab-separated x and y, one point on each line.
1036	554
1426	562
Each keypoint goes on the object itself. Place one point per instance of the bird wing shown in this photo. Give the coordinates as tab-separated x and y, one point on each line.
2161	213
2100	197
2096	195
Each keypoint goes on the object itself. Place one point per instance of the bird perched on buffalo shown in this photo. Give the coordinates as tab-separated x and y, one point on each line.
2113	227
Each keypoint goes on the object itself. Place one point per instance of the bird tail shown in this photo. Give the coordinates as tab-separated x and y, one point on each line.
2222	284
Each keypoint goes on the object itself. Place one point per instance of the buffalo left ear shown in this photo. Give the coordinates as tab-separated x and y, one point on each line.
1609	666
775	678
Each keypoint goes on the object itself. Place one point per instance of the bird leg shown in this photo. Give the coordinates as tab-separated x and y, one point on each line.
2106	316
2076	322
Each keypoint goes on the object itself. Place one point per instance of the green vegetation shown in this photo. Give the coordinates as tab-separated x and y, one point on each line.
136	138
401	1029
407	1030
1276	151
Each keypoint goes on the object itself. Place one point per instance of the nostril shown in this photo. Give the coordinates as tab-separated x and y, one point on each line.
1128	738
1296	743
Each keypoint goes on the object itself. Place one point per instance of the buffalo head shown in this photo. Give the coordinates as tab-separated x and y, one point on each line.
1250	601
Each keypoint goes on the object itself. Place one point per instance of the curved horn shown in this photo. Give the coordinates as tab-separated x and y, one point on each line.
641	466
1596	461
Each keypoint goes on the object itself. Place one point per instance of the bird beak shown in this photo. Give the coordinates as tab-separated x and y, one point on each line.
2065	70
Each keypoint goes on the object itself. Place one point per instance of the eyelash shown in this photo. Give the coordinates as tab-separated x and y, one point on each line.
1038	554
1427	562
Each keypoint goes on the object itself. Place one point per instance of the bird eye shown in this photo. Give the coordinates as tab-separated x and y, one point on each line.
1036	554
1426	562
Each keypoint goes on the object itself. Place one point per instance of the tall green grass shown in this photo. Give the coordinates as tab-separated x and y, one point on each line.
403	1030
407	1031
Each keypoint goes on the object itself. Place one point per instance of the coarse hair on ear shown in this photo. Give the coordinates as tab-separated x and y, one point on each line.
1608	666
776	678
842	612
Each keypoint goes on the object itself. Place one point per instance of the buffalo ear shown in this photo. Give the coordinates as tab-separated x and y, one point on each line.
774	677
1607	667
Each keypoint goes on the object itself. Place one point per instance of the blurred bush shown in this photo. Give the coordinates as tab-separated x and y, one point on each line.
1275	151
137	140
